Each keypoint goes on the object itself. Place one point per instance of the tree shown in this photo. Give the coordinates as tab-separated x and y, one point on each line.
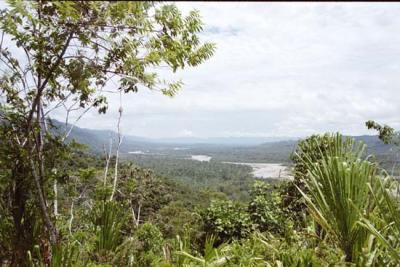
64	55
386	133
142	193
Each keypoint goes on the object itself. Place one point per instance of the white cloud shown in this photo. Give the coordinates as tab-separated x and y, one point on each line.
287	69
186	133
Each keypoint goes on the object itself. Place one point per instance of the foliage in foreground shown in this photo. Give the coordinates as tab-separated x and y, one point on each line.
353	219
339	195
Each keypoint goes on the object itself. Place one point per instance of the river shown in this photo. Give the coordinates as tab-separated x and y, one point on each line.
268	170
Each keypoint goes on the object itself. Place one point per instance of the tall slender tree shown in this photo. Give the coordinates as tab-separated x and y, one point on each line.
65	55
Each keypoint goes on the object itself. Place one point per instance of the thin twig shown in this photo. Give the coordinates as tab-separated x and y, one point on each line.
118	147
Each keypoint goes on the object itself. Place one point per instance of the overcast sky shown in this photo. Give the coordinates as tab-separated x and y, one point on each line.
280	69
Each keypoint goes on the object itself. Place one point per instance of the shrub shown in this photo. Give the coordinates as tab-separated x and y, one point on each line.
227	220
264	209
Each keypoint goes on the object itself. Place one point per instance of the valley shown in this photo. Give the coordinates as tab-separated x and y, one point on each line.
186	134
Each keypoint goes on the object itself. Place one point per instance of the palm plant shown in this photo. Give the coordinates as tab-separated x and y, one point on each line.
107	226
66	255
296	253
247	253
339	193
386	226
212	257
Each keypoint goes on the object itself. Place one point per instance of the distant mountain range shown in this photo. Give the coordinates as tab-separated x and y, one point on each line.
246	141
96	139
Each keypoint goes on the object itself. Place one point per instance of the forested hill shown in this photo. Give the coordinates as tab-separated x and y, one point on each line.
96	139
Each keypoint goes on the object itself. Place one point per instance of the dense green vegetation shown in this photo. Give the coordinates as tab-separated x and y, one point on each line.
347	216
62	206
273	152
232	180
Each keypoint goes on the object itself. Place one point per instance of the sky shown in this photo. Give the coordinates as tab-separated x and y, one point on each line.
280	69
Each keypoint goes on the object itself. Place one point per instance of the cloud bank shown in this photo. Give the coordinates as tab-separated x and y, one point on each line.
280	69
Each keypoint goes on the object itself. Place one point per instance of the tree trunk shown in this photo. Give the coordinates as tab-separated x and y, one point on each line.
55	199
22	240
117	154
